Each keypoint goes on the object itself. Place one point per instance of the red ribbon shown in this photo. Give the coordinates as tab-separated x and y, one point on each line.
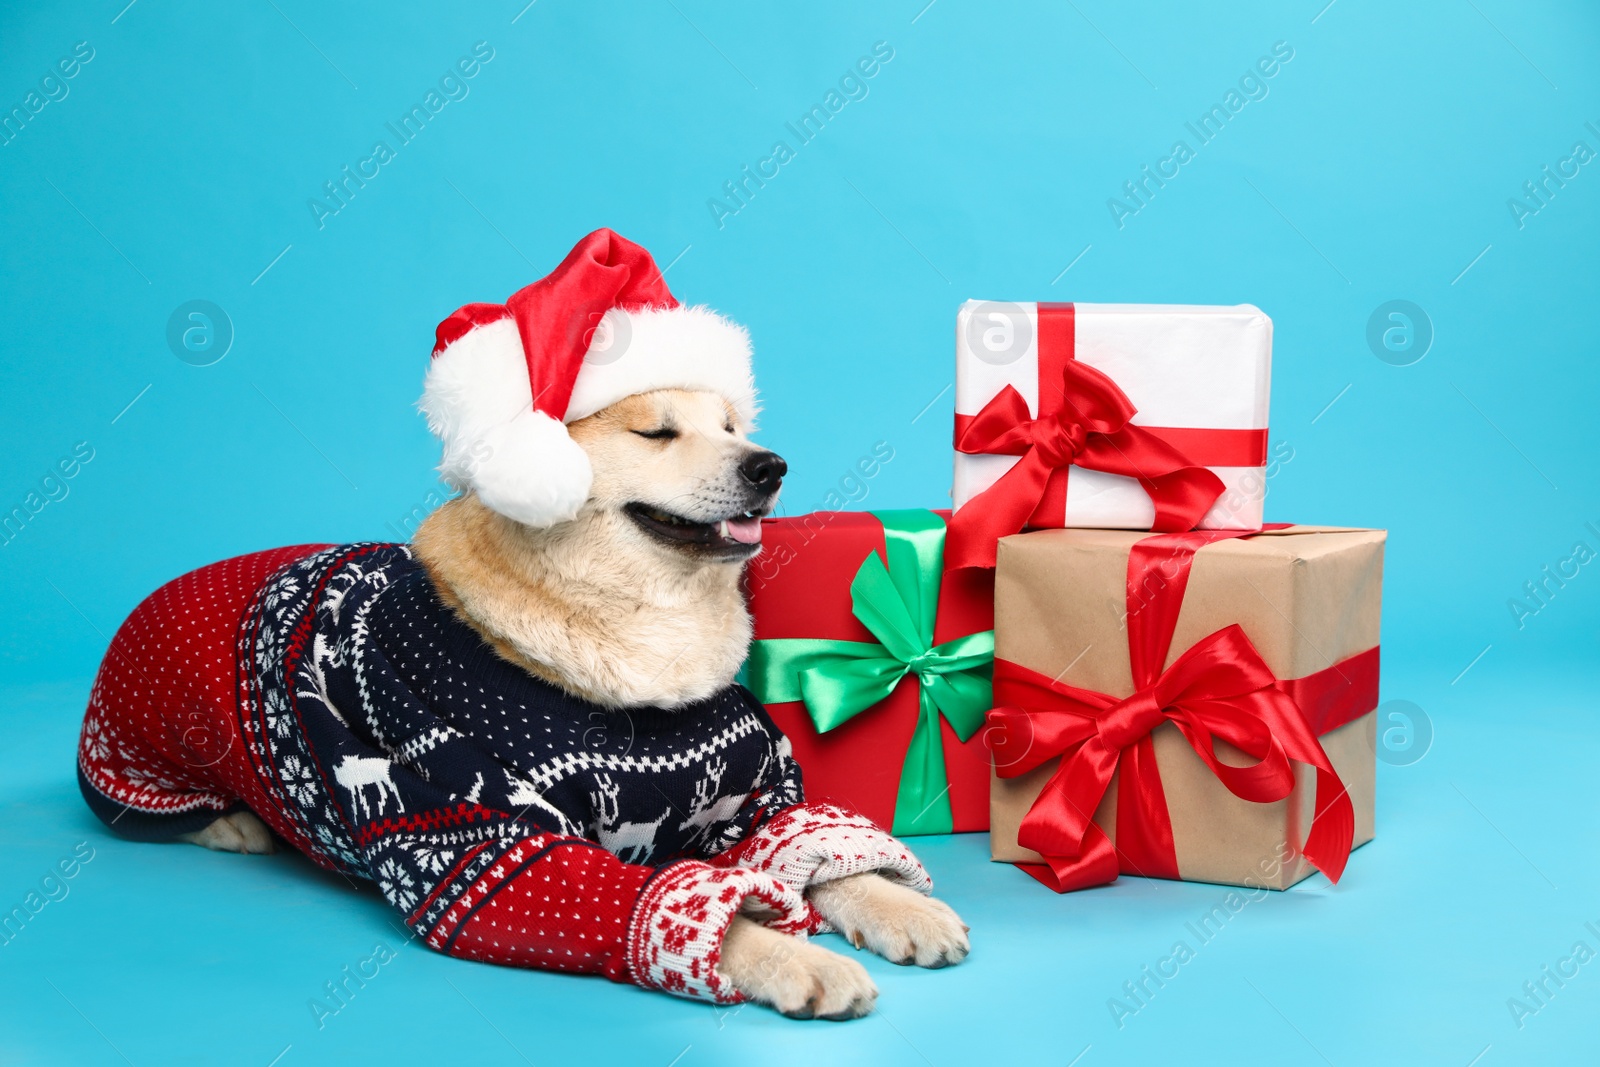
1220	689
1084	423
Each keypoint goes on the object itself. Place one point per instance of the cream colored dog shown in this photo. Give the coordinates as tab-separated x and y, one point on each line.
637	601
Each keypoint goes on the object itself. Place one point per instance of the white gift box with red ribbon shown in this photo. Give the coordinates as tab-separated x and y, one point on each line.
1199	378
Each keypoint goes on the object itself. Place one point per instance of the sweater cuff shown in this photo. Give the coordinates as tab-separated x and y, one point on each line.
814	843
682	915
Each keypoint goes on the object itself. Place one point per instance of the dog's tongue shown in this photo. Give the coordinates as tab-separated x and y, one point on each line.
744	531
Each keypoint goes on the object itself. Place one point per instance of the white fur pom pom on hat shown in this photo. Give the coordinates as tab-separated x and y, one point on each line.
507	378
501	475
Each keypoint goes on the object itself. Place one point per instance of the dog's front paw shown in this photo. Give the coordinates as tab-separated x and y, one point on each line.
799	979
897	923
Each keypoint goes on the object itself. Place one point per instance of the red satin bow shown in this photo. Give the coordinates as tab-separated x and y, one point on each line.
1220	689
1091	430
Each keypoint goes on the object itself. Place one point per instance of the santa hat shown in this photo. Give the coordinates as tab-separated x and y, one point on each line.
507	378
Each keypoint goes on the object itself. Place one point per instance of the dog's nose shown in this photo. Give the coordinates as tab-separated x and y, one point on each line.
764	471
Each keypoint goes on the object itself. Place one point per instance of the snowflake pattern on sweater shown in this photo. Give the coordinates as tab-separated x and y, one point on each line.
507	820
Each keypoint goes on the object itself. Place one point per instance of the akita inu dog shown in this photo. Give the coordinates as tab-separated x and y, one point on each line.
524	727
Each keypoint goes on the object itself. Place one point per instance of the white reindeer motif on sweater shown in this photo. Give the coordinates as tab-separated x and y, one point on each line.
323	656
708	808
355	773
631	842
524	795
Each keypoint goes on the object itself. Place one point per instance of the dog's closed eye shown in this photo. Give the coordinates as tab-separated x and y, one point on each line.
660	433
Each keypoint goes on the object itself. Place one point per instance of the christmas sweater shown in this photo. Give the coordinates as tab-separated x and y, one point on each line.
331	691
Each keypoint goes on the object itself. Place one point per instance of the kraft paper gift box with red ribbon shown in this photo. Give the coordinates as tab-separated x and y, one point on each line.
1112	416
1192	705
874	661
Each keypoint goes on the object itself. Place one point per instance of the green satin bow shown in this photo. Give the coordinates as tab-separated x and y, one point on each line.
840	679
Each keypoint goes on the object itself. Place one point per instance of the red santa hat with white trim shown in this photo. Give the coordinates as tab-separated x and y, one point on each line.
507	378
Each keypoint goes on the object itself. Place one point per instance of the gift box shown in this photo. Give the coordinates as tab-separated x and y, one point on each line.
1111	416
875	661
1191	705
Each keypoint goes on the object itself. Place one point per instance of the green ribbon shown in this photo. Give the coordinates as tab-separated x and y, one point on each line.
838	680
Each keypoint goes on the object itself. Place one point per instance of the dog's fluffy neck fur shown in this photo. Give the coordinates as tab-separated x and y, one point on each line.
616	628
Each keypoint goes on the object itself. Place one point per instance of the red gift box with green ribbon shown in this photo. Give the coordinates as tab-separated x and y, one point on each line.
875	662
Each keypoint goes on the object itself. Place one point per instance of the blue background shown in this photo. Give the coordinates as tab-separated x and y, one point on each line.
1377	167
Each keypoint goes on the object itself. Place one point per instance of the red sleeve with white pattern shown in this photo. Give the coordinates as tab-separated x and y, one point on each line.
567	904
810	844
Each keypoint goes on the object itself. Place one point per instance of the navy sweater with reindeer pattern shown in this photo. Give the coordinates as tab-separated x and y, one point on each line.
333	692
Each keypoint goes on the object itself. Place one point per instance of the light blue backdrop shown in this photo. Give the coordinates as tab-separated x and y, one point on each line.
1379	162
979	163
